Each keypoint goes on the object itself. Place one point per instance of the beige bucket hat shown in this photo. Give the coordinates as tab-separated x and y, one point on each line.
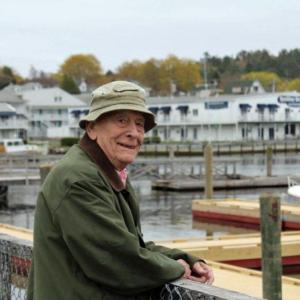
118	95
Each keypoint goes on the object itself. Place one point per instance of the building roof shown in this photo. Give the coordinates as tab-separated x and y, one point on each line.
7	110
241	98
238	83
85	97
9	95
51	97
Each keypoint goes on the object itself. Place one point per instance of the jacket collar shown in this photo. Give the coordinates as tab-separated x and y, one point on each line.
93	150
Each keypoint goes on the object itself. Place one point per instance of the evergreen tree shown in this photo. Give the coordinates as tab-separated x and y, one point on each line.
68	84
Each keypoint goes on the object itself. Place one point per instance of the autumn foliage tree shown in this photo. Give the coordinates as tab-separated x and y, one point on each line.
130	71
160	75
184	73
294	85
83	67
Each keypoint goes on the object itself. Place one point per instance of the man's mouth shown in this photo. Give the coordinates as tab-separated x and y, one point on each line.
131	147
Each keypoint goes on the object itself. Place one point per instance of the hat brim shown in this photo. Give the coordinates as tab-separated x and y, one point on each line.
93	116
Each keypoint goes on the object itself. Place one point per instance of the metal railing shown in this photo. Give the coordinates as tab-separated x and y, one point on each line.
15	262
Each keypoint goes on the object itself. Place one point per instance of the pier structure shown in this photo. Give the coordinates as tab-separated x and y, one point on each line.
15	257
22	169
220	148
231	281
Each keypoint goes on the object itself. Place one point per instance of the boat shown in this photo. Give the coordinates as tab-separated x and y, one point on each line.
17	146
293	187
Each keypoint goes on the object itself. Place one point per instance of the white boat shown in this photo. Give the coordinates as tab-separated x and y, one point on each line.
17	146
293	187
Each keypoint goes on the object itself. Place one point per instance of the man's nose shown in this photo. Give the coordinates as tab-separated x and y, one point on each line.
133	129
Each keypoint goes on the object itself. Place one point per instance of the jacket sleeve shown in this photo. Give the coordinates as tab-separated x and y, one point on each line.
173	253
99	241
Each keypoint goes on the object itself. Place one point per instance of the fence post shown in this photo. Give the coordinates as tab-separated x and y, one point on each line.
208	158
270	227
269	154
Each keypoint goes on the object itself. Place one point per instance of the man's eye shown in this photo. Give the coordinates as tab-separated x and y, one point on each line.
122	121
140	124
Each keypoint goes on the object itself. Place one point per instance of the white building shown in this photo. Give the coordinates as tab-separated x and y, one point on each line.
265	116
13	120
53	113
49	113
12	124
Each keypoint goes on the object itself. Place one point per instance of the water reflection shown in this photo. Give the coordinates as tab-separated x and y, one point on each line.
164	215
222	228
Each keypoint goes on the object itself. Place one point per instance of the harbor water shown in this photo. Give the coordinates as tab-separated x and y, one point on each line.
167	215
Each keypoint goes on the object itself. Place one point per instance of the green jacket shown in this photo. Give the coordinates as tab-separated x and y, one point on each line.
87	238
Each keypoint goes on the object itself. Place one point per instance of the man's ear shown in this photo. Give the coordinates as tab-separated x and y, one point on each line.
90	130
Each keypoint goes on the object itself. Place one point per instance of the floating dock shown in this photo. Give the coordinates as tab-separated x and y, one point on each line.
226	276
220	184
242	250
245	213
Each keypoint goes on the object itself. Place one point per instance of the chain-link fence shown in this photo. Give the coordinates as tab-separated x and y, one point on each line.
15	262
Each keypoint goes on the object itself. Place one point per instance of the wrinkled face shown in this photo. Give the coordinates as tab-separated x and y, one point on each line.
120	135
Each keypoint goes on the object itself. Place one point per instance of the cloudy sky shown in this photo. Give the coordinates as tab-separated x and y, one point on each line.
44	33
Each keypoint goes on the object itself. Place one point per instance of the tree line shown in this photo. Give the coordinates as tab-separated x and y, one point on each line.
172	75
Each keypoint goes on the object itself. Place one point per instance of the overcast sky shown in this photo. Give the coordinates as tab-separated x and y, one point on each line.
44	33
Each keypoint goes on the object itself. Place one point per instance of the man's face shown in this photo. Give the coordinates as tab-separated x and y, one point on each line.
120	135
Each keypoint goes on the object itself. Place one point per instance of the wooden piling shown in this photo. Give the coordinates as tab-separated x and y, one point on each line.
208	158
270	216
269	158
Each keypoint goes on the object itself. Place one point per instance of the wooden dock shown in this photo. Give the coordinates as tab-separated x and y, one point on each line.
250	281
242	250
220	148
226	276
220	184
242	212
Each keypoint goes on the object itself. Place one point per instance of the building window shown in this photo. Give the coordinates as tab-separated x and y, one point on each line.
195	133
260	133
166	134
182	133
57	98
40	111
290	129
287	113
293	129
166	113
166	117
195	112
243	133
286	129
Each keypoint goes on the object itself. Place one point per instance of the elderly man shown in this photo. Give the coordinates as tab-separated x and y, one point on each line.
87	236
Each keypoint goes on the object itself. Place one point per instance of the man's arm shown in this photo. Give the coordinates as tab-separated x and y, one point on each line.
107	253
199	270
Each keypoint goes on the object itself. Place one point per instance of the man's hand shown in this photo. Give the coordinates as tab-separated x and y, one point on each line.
187	269
201	272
